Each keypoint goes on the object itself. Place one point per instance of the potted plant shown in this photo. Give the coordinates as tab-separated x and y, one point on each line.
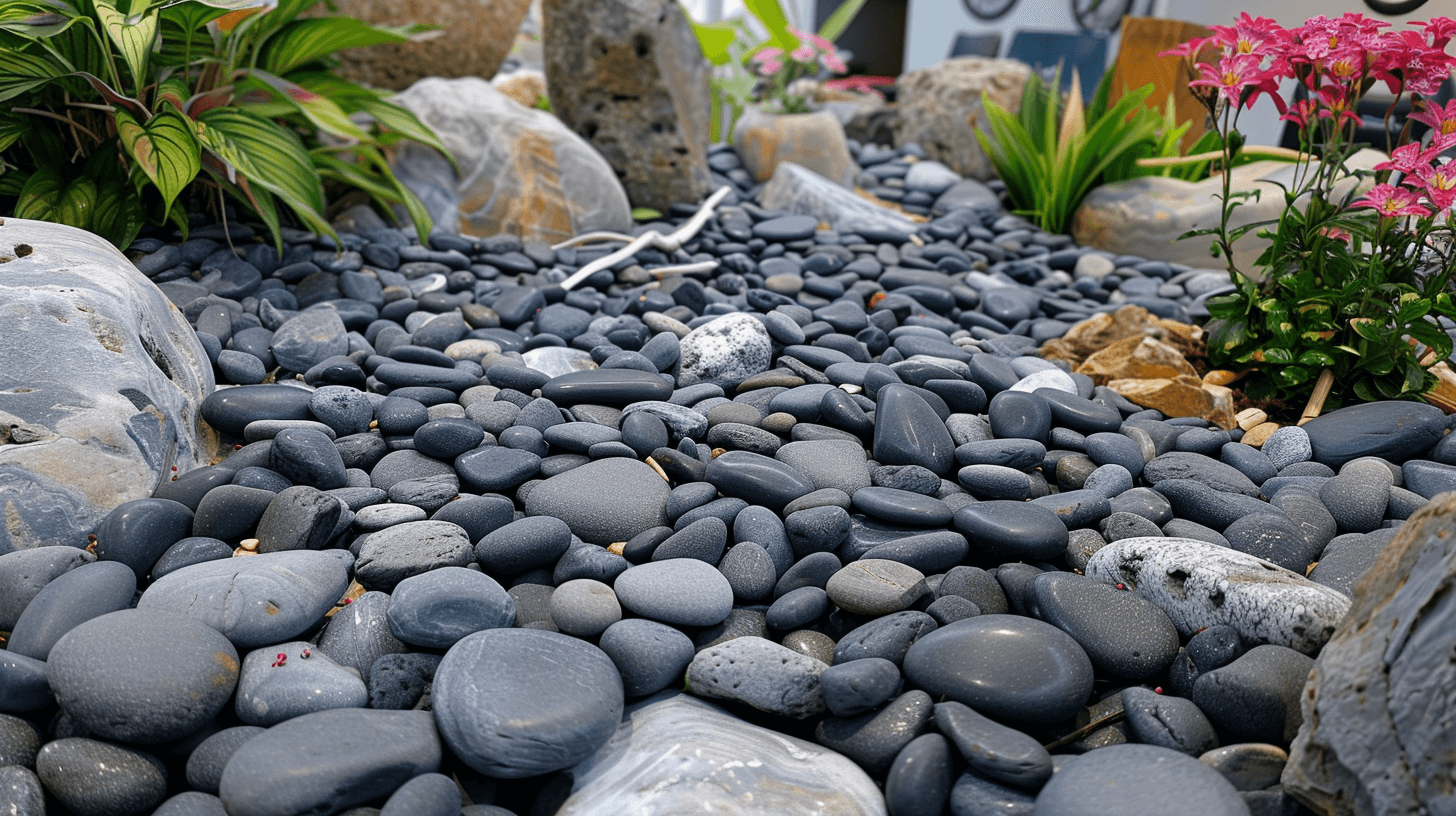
757	96
1348	297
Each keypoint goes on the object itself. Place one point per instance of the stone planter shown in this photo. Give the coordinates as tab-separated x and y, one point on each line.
1145	216
813	140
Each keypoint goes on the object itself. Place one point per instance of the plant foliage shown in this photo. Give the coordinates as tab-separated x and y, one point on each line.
1354	283
1054	151
116	115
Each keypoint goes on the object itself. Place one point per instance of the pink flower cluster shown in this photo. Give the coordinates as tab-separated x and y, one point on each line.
810	53
1332	58
1337	61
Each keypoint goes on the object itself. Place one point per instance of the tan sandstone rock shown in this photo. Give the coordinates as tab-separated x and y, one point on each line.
1137	358
1182	396
1145	216
812	140
938	106
474	37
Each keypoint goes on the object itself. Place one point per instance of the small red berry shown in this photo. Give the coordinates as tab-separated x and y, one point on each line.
1157	689
282	658
1122	586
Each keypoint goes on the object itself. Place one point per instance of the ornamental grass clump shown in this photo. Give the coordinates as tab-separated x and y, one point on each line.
116	115
1356	278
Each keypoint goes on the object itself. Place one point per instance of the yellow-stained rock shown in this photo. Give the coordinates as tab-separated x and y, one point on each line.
1221	376
1182	396
1249	418
1138	358
1101	330
525	87
1259	434
1443	394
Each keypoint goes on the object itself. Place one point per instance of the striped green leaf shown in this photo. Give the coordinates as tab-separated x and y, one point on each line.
133	30
303	41
47	196
164	148
399	120
320	111
21	73
270	156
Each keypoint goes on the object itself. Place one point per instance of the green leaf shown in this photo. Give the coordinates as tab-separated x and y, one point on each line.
1368	328
164	148
303	41
37	20
12	127
134	31
47	196
715	40
270	156
398	119
22	73
1412	307
840	19
645	214
119	214
771	14
320	111
1277	356
1318	359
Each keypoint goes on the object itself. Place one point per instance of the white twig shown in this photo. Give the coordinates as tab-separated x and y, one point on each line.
593	237
652	238
683	269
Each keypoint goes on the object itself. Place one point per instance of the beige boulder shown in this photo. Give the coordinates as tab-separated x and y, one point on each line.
525	87
812	140
938	107
474	37
1145	216
521	170
1137	358
1103	329
1181	396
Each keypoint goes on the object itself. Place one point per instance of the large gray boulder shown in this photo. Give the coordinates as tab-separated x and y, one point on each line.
100	382
521	170
801	191
629	77
939	107
1376	737
1144	216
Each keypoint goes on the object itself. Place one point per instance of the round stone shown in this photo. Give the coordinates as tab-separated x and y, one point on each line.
1004	666
603	501
142	676
94	778
874	587
513	703
1138	780
678	591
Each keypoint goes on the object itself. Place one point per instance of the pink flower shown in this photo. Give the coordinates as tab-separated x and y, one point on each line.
1440	30
1392	202
1301	112
768	59
1239	79
1408	159
1442	119
1188	50
1438	182
1335	233
1250	35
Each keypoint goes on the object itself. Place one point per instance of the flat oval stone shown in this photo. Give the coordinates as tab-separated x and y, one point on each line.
874	587
901	506
257	600
137	532
280	683
992	749
679	591
1200	585
932	553
86	592
142	676
889	637
1172	722
513	703
1392	430
1012	531
438	608
757	479
296	767
859	685
23	573
1004	666
909	432
412	548
649	655
231	409
1123	635
759	673
1138	780
1019	415
496	469
95	778
606	386
603	501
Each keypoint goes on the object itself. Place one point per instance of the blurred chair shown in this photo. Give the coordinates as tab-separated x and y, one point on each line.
974	44
1045	50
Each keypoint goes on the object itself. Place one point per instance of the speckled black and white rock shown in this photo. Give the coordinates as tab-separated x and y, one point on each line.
1199	584
759	673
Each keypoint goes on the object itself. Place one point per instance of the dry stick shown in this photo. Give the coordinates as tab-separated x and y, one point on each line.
1317	397
684	269
652	238
1106	719
1251	150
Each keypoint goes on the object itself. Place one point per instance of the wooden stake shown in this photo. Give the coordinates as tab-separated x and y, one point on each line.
1317	398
